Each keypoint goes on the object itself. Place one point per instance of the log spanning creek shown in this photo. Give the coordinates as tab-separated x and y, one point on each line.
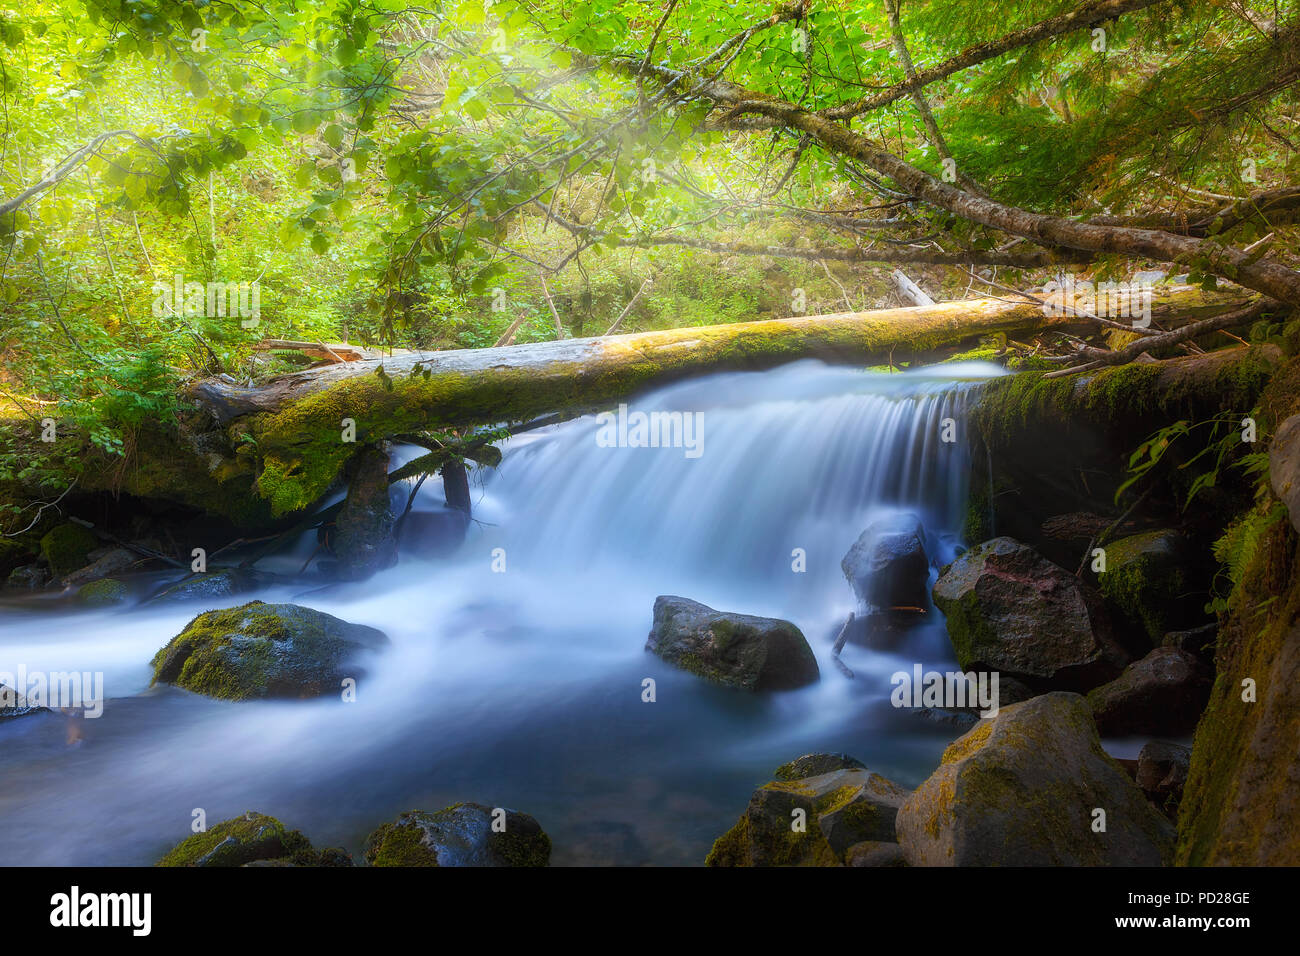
517	667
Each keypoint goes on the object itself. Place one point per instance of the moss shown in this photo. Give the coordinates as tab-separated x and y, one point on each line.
66	546
1240	801
399	844
243	839
516	848
102	593
1145	584
233	654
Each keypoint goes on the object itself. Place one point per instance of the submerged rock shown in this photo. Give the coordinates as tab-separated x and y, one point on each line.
1022	788
1163	693
1011	610
840	809
738	650
28	577
432	534
1148	583
104	592
110	562
264	650
464	834
887	565
213	585
14	704
1162	769
252	839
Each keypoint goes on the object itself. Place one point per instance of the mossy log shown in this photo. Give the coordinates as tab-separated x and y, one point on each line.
305	425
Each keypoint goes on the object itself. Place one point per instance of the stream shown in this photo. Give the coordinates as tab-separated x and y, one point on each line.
522	687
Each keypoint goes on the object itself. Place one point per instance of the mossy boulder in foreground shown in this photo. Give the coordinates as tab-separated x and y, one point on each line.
252	839
1011	610
738	650
264	650
840	810
464	834
1024	788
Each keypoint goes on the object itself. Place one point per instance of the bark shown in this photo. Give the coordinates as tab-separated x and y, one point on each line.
296	420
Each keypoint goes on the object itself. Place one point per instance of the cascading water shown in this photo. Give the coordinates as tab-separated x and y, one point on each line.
516	668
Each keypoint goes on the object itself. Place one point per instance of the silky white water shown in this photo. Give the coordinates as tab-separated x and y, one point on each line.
523	687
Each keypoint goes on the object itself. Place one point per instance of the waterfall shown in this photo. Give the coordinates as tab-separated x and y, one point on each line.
515	673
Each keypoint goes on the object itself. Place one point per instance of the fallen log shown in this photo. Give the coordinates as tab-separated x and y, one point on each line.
304	426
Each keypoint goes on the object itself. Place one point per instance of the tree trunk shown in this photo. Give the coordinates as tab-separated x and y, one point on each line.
306	425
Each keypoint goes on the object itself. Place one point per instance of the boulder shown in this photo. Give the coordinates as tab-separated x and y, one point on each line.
363	531
104	592
28	577
65	547
1284	466
1150	582
887	565
111	561
841	809
1162	770
264	650
738	650
432	534
873	853
1022	788
1163	693
460	835
814	765
252	839
1011	610
1202	642
14	704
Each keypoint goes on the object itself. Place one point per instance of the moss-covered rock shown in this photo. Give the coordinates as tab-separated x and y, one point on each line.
1011	610
1023	788
102	593
252	839
1242	796
464	834
66	546
28	577
811	821
1152	584
264	650
738	650
814	765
